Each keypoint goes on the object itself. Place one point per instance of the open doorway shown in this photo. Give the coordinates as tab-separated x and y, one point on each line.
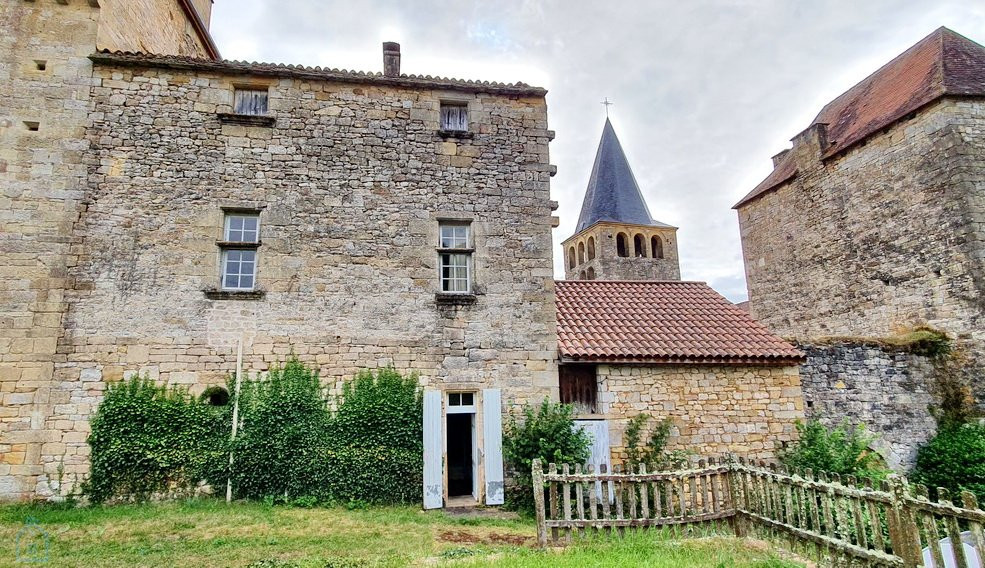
462	450
461	478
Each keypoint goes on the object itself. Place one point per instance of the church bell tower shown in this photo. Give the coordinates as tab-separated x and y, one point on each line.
616	238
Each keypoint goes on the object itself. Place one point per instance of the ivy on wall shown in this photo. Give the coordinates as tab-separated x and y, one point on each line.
148	440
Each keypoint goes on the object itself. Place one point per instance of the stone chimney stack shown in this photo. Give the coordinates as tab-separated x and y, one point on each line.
391	59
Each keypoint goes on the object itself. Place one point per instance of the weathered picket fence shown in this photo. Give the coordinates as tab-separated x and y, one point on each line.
833	520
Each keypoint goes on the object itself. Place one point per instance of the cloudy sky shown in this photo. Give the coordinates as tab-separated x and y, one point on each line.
704	91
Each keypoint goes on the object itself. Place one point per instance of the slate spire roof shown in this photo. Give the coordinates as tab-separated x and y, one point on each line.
613	194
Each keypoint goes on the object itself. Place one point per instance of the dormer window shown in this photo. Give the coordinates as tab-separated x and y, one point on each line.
454	117
252	102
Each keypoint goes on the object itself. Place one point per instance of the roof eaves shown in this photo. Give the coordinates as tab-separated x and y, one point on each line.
131	59
772	360
655	225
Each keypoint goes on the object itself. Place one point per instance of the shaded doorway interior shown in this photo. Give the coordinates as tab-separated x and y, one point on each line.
461	448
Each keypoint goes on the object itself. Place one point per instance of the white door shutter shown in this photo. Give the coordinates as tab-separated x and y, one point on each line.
598	430
492	441
433	471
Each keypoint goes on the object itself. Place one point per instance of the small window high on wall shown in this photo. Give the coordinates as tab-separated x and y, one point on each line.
579	387
454	117
251	101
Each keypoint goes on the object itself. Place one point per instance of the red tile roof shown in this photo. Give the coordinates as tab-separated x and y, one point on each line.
942	64
660	322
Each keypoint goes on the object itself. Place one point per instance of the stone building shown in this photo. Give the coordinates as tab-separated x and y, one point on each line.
676	350
616	238
166	210
871	225
637	340
163	210
46	80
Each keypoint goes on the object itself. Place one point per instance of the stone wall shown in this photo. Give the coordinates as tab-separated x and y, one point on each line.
886	236
351	181
606	264
890	392
45	77
716	409
149	26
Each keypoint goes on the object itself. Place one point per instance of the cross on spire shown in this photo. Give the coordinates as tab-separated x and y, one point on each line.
606	103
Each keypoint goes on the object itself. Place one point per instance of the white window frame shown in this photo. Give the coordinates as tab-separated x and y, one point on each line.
225	263
240	93
227	228
462	124
458	247
461	408
229	246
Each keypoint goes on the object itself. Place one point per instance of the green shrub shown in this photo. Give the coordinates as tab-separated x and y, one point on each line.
380	475
954	459
843	449
148	439
376	453
289	449
279	449
653	453
547	433
380	410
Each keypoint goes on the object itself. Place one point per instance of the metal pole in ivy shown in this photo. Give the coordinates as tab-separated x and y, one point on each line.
239	379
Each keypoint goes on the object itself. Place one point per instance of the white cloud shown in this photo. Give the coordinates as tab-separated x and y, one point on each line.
705	91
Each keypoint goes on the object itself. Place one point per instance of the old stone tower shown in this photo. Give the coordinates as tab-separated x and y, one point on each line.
616	238
46	95
869	226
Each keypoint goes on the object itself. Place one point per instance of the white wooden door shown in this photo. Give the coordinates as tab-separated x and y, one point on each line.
492	442
433	463
598	430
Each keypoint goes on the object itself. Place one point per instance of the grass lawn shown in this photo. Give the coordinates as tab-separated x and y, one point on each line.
209	533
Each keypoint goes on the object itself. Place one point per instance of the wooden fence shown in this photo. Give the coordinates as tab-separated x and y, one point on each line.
834	520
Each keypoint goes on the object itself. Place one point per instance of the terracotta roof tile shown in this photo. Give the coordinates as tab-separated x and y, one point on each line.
660	322
941	64
314	73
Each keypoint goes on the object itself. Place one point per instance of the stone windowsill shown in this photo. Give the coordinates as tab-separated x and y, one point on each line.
237	244
461	134
214	294
246	119
449	299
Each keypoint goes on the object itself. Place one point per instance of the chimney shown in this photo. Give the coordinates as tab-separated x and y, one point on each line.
391	59
779	157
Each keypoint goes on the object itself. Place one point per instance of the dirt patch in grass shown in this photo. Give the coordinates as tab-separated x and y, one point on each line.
492	538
